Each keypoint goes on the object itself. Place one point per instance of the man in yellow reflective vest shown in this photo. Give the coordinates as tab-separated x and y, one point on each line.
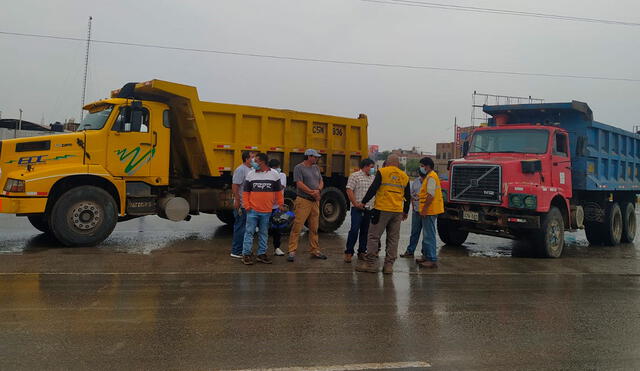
393	196
431	205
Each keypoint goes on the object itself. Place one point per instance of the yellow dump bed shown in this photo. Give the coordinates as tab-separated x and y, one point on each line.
208	138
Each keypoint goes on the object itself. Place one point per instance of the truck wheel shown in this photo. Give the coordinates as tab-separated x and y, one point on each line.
629	223
612	228
450	233
594	231
39	222
83	216
290	196
549	239
226	216
333	209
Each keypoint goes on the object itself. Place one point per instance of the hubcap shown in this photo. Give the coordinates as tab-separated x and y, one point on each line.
554	235
85	216
329	211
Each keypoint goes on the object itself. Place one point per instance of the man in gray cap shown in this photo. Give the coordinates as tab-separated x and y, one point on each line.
308	180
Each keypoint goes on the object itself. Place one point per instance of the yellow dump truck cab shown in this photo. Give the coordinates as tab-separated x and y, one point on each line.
154	148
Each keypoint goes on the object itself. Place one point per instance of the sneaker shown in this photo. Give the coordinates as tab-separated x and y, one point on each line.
247	260
279	252
291	258
319	255
263	258
235	256
348	257
387	269
406	255
428	264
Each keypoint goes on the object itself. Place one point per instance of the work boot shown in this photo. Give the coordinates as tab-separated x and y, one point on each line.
387	268
421	259
428	264
263	258
247	260
348	257
368	265
362	255
406	254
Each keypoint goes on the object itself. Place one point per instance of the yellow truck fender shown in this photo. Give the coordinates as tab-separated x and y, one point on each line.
54	180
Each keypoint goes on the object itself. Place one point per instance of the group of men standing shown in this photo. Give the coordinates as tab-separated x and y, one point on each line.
380	201
258	188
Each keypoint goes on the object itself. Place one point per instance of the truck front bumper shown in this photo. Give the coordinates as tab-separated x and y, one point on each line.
22	205
490	217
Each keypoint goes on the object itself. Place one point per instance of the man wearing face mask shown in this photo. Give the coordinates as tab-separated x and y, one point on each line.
308	180
357	186
416	219
239	212
431	205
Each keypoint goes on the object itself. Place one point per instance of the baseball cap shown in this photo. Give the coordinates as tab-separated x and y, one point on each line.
312	152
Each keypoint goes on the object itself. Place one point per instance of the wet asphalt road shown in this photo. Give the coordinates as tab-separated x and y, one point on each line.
159	295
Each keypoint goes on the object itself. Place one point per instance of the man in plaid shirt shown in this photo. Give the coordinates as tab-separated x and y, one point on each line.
357	186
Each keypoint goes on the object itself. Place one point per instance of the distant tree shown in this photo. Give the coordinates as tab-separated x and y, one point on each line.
382	156
412	166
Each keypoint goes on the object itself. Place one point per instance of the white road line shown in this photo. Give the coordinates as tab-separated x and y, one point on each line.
358	366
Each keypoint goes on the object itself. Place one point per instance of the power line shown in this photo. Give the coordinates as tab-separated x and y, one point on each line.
330	61
424	4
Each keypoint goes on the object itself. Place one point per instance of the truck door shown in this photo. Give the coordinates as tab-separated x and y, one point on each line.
561	163
130	147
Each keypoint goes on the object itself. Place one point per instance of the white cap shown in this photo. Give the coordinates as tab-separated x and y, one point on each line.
312	152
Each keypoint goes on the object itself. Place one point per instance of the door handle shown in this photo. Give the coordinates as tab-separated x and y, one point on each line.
155	139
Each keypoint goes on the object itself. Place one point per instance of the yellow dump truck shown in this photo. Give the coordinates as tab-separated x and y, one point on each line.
154	148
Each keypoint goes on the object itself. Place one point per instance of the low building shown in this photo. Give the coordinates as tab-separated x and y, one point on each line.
25	129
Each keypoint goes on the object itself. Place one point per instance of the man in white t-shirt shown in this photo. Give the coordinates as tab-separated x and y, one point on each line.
239	212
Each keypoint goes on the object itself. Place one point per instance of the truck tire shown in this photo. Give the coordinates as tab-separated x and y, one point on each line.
39	222
612	228
333	209
83	216
549	239
629	223
226	216
290	196
450	233
594	232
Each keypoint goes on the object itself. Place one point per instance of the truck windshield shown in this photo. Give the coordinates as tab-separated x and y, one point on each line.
510	141
96	119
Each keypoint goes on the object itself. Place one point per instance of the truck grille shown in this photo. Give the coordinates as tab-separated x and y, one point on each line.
476	183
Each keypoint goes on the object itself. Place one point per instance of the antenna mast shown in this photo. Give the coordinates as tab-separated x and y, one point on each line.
86	69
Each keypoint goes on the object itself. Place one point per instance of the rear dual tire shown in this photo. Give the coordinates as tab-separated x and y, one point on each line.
616	227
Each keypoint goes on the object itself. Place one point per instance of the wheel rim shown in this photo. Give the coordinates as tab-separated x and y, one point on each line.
85	216
554	236
616	228
330	211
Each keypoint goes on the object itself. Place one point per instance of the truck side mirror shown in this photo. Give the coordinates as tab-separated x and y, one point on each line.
465	149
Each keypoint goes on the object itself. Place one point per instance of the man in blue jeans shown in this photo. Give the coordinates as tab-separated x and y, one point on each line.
357	186
239	212
262	190
431	205
416	221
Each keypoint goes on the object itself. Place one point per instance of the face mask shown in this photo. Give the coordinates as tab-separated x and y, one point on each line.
255	165
279	170
423	171
372	171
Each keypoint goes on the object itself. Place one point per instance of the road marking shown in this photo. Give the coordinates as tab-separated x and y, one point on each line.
357	366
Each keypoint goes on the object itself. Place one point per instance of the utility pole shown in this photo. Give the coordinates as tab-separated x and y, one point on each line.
86	69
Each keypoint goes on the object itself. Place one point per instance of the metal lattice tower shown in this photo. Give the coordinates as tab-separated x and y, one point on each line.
479	100
86	69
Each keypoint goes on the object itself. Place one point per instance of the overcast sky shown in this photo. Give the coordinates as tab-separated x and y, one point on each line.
406	107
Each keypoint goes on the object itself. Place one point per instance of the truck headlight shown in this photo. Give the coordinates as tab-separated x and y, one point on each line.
523	201
14	185
531	202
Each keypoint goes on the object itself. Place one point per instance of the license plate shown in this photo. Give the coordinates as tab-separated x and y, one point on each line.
470	215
